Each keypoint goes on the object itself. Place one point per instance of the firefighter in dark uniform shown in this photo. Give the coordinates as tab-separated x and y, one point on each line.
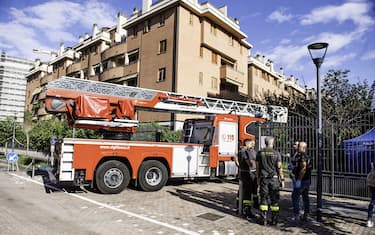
246	164
271	177
253	176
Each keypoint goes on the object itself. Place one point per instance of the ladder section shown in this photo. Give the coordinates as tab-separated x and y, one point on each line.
101	88
66	162
147	99
203	164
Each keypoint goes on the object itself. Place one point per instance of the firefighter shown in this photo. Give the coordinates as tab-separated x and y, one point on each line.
302	183
246	162
271	177
253	176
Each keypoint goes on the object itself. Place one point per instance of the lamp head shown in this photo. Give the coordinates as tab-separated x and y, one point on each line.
318	52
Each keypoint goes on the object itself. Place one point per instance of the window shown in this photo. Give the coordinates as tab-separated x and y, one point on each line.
191	18
201	52
161	76
162	20
147	27
214	58
131	82
213	83
256	89
95	70
163	46
135	31
231	40
133	56
213	29
200	78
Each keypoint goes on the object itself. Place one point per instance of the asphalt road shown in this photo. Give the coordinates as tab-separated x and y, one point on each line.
27	207
30	206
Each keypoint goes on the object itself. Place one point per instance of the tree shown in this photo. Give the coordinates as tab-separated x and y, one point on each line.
147	132
43	130
6	132
345	103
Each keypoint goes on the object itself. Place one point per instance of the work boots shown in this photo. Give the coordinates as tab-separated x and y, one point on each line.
274	217
248	213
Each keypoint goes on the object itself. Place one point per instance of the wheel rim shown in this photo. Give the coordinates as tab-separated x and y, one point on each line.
153	176
113	178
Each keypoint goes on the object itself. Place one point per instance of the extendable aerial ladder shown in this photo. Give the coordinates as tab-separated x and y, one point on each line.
101	105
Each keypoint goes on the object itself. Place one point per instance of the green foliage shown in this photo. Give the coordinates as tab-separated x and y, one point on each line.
345	103
43	130
171	136
147	132
6	132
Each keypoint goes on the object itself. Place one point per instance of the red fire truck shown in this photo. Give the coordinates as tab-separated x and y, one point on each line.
207	149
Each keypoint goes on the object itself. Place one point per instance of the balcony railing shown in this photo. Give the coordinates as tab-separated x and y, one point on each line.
73	68
120	71
114	51
232	75
46	79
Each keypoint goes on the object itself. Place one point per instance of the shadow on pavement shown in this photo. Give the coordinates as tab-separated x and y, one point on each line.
225	202
50	182
220	201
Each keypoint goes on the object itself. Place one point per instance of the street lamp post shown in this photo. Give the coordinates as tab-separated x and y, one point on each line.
318	52
14	131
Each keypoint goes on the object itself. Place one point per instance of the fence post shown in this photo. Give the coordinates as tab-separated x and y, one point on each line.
332	162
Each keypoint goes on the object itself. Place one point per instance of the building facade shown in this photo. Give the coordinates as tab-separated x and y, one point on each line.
172	45
13	86
265	82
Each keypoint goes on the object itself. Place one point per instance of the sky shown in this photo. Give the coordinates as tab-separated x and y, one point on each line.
278	29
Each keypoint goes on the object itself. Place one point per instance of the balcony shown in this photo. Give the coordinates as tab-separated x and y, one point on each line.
95	58
114	51
73	68
230	95
46	79
215	39
232	75
119	72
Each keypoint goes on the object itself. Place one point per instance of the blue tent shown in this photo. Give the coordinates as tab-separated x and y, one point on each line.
360	152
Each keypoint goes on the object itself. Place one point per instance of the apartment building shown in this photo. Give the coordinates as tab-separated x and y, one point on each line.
264	81
180	46
13	86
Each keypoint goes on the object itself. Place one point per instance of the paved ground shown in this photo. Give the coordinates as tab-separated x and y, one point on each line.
27	206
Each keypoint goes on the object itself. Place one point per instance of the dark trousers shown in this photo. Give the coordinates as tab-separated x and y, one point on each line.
254	189
249	190
269	189
246	184
296	195
370	210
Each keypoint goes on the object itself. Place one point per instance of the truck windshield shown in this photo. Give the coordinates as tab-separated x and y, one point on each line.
198	132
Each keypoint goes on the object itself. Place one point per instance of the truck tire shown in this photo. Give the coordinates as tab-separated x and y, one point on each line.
112	177
152	175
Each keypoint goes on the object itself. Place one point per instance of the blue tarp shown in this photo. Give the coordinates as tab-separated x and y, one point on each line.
360	152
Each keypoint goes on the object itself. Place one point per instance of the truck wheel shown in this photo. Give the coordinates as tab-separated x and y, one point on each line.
152	175
112	177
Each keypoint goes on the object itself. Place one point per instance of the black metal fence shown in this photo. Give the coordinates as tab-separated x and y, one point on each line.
345	167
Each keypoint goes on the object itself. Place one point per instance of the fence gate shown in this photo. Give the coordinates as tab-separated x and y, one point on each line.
344	173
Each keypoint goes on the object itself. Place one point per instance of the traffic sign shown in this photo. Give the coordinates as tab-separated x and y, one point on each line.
53	140
12	157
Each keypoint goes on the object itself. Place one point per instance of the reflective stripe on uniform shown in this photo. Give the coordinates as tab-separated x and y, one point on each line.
275	208
263	207
254	195
246	202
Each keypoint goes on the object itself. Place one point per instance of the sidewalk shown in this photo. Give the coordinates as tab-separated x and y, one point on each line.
210	208
340	216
